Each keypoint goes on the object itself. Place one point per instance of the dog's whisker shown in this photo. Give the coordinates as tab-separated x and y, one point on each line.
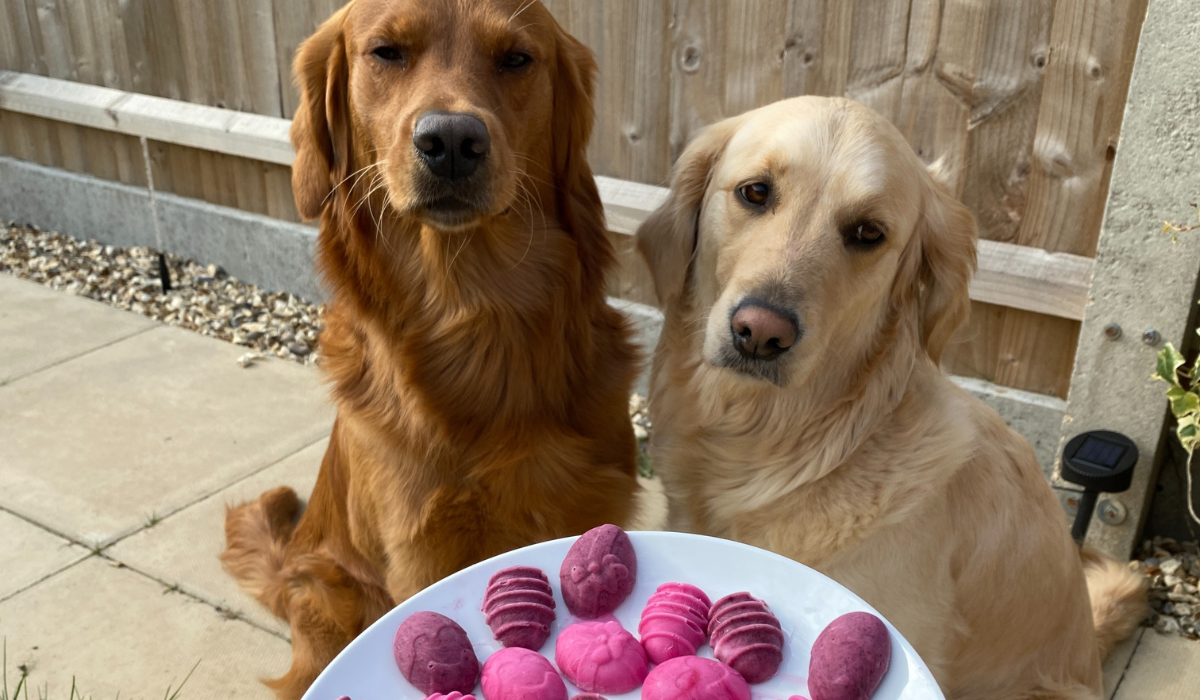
524	7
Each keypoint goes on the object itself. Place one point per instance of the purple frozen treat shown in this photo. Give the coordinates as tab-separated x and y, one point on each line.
745	634
849	658
598	572
435	655
519	605
515	673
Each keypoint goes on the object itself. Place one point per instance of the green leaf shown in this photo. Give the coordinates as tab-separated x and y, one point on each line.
1169	362
1183	402
1186	433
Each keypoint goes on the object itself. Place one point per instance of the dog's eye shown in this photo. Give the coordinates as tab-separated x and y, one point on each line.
863	233
388	54
755	194
515	60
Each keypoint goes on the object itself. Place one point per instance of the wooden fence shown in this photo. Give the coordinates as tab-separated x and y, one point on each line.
1024	97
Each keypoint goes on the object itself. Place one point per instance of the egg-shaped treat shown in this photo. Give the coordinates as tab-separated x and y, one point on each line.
745	634
849	658
516	673
435	655
588	696
674	622
451	696
601	657
598	572
694	678
519	606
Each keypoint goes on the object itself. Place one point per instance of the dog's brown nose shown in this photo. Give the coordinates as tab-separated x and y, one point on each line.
761	332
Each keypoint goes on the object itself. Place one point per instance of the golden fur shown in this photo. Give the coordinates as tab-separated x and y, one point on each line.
481	379
853	453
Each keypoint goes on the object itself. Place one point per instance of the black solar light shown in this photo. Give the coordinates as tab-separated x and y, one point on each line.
1099	460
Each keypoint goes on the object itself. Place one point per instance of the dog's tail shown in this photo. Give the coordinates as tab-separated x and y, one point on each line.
256	537
1119	598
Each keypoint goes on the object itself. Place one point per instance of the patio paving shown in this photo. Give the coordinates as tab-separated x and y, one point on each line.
122	441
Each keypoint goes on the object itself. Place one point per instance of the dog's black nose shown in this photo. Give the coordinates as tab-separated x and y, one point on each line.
451	144
761	332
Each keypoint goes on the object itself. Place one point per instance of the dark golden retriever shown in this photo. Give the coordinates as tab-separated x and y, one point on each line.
481	379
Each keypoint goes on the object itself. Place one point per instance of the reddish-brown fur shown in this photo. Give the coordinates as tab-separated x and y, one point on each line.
481	379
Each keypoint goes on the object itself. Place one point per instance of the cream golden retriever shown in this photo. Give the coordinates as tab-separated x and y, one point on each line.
811	272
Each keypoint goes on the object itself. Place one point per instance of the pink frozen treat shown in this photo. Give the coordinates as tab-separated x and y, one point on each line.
516	673
588	696
452	696
694	678
674	622
601	657
849	658
520	607
745	634
435	655
598	572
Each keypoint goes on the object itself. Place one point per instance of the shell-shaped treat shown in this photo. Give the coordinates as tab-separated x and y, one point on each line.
674	622
598	572
452	696
849	658
519	606
516	673
745	634
435	655
694	678
601	657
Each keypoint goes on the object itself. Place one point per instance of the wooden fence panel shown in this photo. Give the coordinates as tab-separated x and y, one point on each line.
632	42
295	20
1087	64
727	58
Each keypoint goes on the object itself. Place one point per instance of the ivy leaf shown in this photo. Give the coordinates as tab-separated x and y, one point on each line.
1169	362
1183	402
1187	433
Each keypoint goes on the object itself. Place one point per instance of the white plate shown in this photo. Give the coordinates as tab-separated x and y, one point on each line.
804	600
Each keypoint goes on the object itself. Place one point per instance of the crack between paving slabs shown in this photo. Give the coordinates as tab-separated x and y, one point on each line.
160	519
89	351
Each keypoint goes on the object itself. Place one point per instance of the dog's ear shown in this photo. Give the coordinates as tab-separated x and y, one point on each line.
580	210
667	239
946	234
321	126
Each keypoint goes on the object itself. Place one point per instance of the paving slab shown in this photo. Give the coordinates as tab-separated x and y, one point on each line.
95	447
116	631
40	327
183	549
30	554
1118	661
1164	667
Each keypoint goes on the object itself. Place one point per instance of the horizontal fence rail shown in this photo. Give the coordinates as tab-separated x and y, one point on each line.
1013	276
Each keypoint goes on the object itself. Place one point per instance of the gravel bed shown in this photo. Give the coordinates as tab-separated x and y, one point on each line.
202	299
1174	570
